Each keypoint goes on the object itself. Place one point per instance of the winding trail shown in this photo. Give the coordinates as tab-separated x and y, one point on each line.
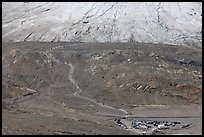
86	98
107	112
70	77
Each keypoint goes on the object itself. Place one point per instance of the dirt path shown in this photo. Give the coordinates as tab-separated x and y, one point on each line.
95	89
78	89
77	93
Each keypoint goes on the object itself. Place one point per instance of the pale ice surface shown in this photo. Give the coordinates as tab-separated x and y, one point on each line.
153	22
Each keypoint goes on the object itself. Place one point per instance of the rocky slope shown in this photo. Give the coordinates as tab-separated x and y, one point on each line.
90	84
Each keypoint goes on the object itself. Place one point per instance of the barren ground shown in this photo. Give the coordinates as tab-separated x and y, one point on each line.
81	88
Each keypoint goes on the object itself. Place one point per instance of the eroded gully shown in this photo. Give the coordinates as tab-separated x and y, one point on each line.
78	89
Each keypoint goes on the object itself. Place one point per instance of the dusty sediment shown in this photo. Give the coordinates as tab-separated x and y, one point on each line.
81	88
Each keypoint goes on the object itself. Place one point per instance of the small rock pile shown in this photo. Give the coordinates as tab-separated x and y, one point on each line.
121	124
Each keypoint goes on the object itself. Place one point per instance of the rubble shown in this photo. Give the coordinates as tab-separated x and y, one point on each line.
121	124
